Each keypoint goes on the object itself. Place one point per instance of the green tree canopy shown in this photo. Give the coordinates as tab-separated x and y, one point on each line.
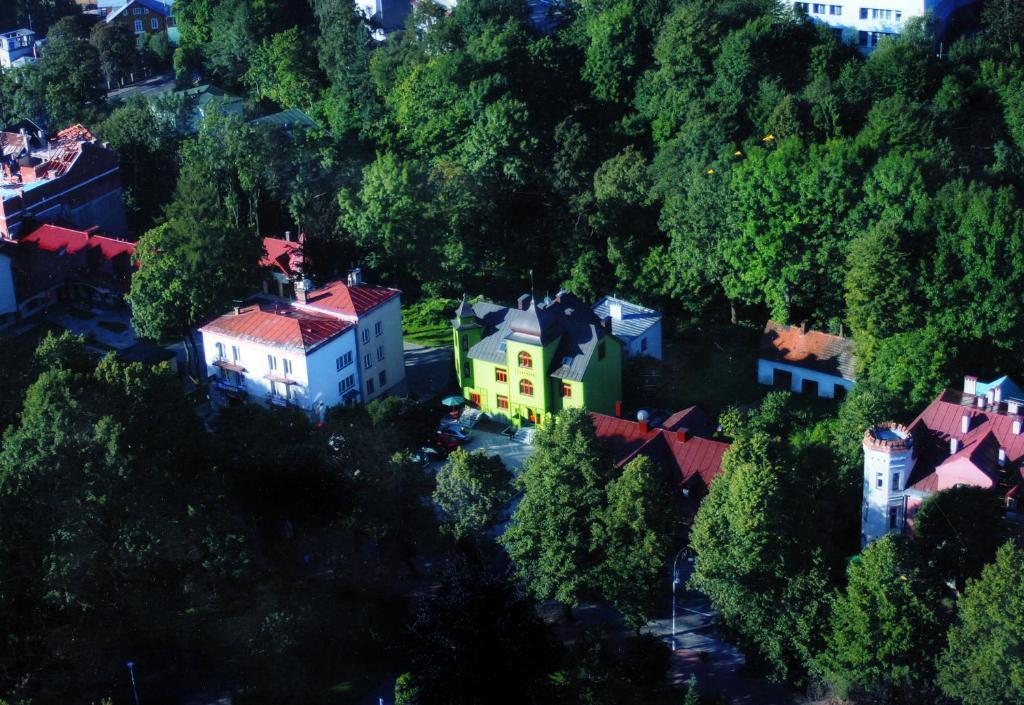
473	490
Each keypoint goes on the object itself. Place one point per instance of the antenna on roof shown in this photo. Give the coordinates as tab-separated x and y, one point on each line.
531	286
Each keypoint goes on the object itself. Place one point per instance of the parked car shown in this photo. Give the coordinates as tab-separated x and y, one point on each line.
444	442
427	455
461	433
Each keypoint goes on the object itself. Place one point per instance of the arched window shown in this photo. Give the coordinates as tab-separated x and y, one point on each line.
526	387
525	360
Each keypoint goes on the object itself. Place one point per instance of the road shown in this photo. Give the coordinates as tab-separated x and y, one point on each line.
153	86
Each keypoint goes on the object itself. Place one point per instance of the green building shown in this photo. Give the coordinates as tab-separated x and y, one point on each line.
525	363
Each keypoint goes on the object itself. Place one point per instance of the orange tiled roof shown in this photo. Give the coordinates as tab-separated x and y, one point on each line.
831	354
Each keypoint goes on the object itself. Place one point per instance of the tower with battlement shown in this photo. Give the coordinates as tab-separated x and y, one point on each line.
888	462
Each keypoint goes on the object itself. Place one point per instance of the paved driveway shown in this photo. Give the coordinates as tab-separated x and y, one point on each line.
513	454
151	87
110	329
428	371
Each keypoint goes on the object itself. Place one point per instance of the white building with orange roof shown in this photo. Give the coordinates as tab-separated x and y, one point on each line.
806	361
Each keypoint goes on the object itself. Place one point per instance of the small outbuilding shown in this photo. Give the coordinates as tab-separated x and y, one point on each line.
806	361
638	327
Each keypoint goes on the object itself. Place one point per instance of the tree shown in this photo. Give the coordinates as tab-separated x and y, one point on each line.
407	692
984	662
881	626
283	71
118	54
476	631
957	532
1003	22
473	490
634	532
549	539
70	74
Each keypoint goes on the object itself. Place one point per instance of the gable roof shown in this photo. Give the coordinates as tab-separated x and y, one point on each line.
690	458
52	255
990	428
577	329
813	350
156	6
338	297
278	325
278	254
634	321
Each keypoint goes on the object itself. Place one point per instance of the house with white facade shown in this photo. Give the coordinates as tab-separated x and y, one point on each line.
970	437
806	361
865	22
638	327
274	353
17	47
376	312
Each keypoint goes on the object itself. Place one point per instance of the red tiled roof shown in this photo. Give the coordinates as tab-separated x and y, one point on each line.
280	325
53	238
827	353
278	254
338	297
988	431
686	455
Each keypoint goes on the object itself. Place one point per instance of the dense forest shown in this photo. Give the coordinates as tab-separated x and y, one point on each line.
723	160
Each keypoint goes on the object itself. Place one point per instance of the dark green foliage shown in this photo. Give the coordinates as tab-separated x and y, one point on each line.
473	491
984	662
600	670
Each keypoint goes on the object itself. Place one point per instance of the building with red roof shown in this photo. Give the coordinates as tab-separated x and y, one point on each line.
806	361
69	179
53	263
275	352
678	444
969	437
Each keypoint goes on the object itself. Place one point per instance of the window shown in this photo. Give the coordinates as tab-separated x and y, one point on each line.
220	351
145	10
136	10
271	363
894	517
474	400
346	384
643	345
366	335
896	481
525	360
526	387
899	15
382	378
502	402
367	361
818	8
878	480
378	328
343	361
567	390
138	25
863	13
877	14
154	23
801	6
500	374
600	350
465	342
287	366
380	352
369	386
235	355
835	9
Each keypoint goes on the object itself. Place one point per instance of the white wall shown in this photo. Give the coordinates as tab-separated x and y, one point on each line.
389	314
892	19
826	383
316	373
653	337
8	302
881	465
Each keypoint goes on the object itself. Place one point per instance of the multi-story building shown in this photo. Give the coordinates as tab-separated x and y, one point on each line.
276	353
865	22
970	437
523	364
17	47
70	179
143	17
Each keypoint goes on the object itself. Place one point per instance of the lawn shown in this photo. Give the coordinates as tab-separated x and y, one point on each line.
428	322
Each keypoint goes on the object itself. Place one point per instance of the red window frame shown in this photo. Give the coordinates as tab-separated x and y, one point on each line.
566	391
500	374
525	360
526	387
502	402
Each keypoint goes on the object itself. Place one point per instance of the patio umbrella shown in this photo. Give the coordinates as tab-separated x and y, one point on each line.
453	401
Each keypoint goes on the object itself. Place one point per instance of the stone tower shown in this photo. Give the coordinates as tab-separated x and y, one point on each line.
888	462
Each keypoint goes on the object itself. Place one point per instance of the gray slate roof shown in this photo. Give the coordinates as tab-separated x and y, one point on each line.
565	317
636	320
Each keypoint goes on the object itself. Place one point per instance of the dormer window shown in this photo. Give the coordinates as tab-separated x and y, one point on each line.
525	360
526	388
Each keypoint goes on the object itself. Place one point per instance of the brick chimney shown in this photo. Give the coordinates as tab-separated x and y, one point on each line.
970	385
965	423
618	409
644	428
681	435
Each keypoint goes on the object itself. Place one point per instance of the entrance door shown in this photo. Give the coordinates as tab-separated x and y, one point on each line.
532	416
782	379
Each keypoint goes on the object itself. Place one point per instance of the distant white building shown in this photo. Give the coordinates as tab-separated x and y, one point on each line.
638	327
806	361
17	48
865	22
275	353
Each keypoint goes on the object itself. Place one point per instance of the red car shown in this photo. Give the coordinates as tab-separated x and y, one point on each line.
444	442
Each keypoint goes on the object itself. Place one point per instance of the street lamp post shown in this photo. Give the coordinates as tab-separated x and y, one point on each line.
131	673
675	584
